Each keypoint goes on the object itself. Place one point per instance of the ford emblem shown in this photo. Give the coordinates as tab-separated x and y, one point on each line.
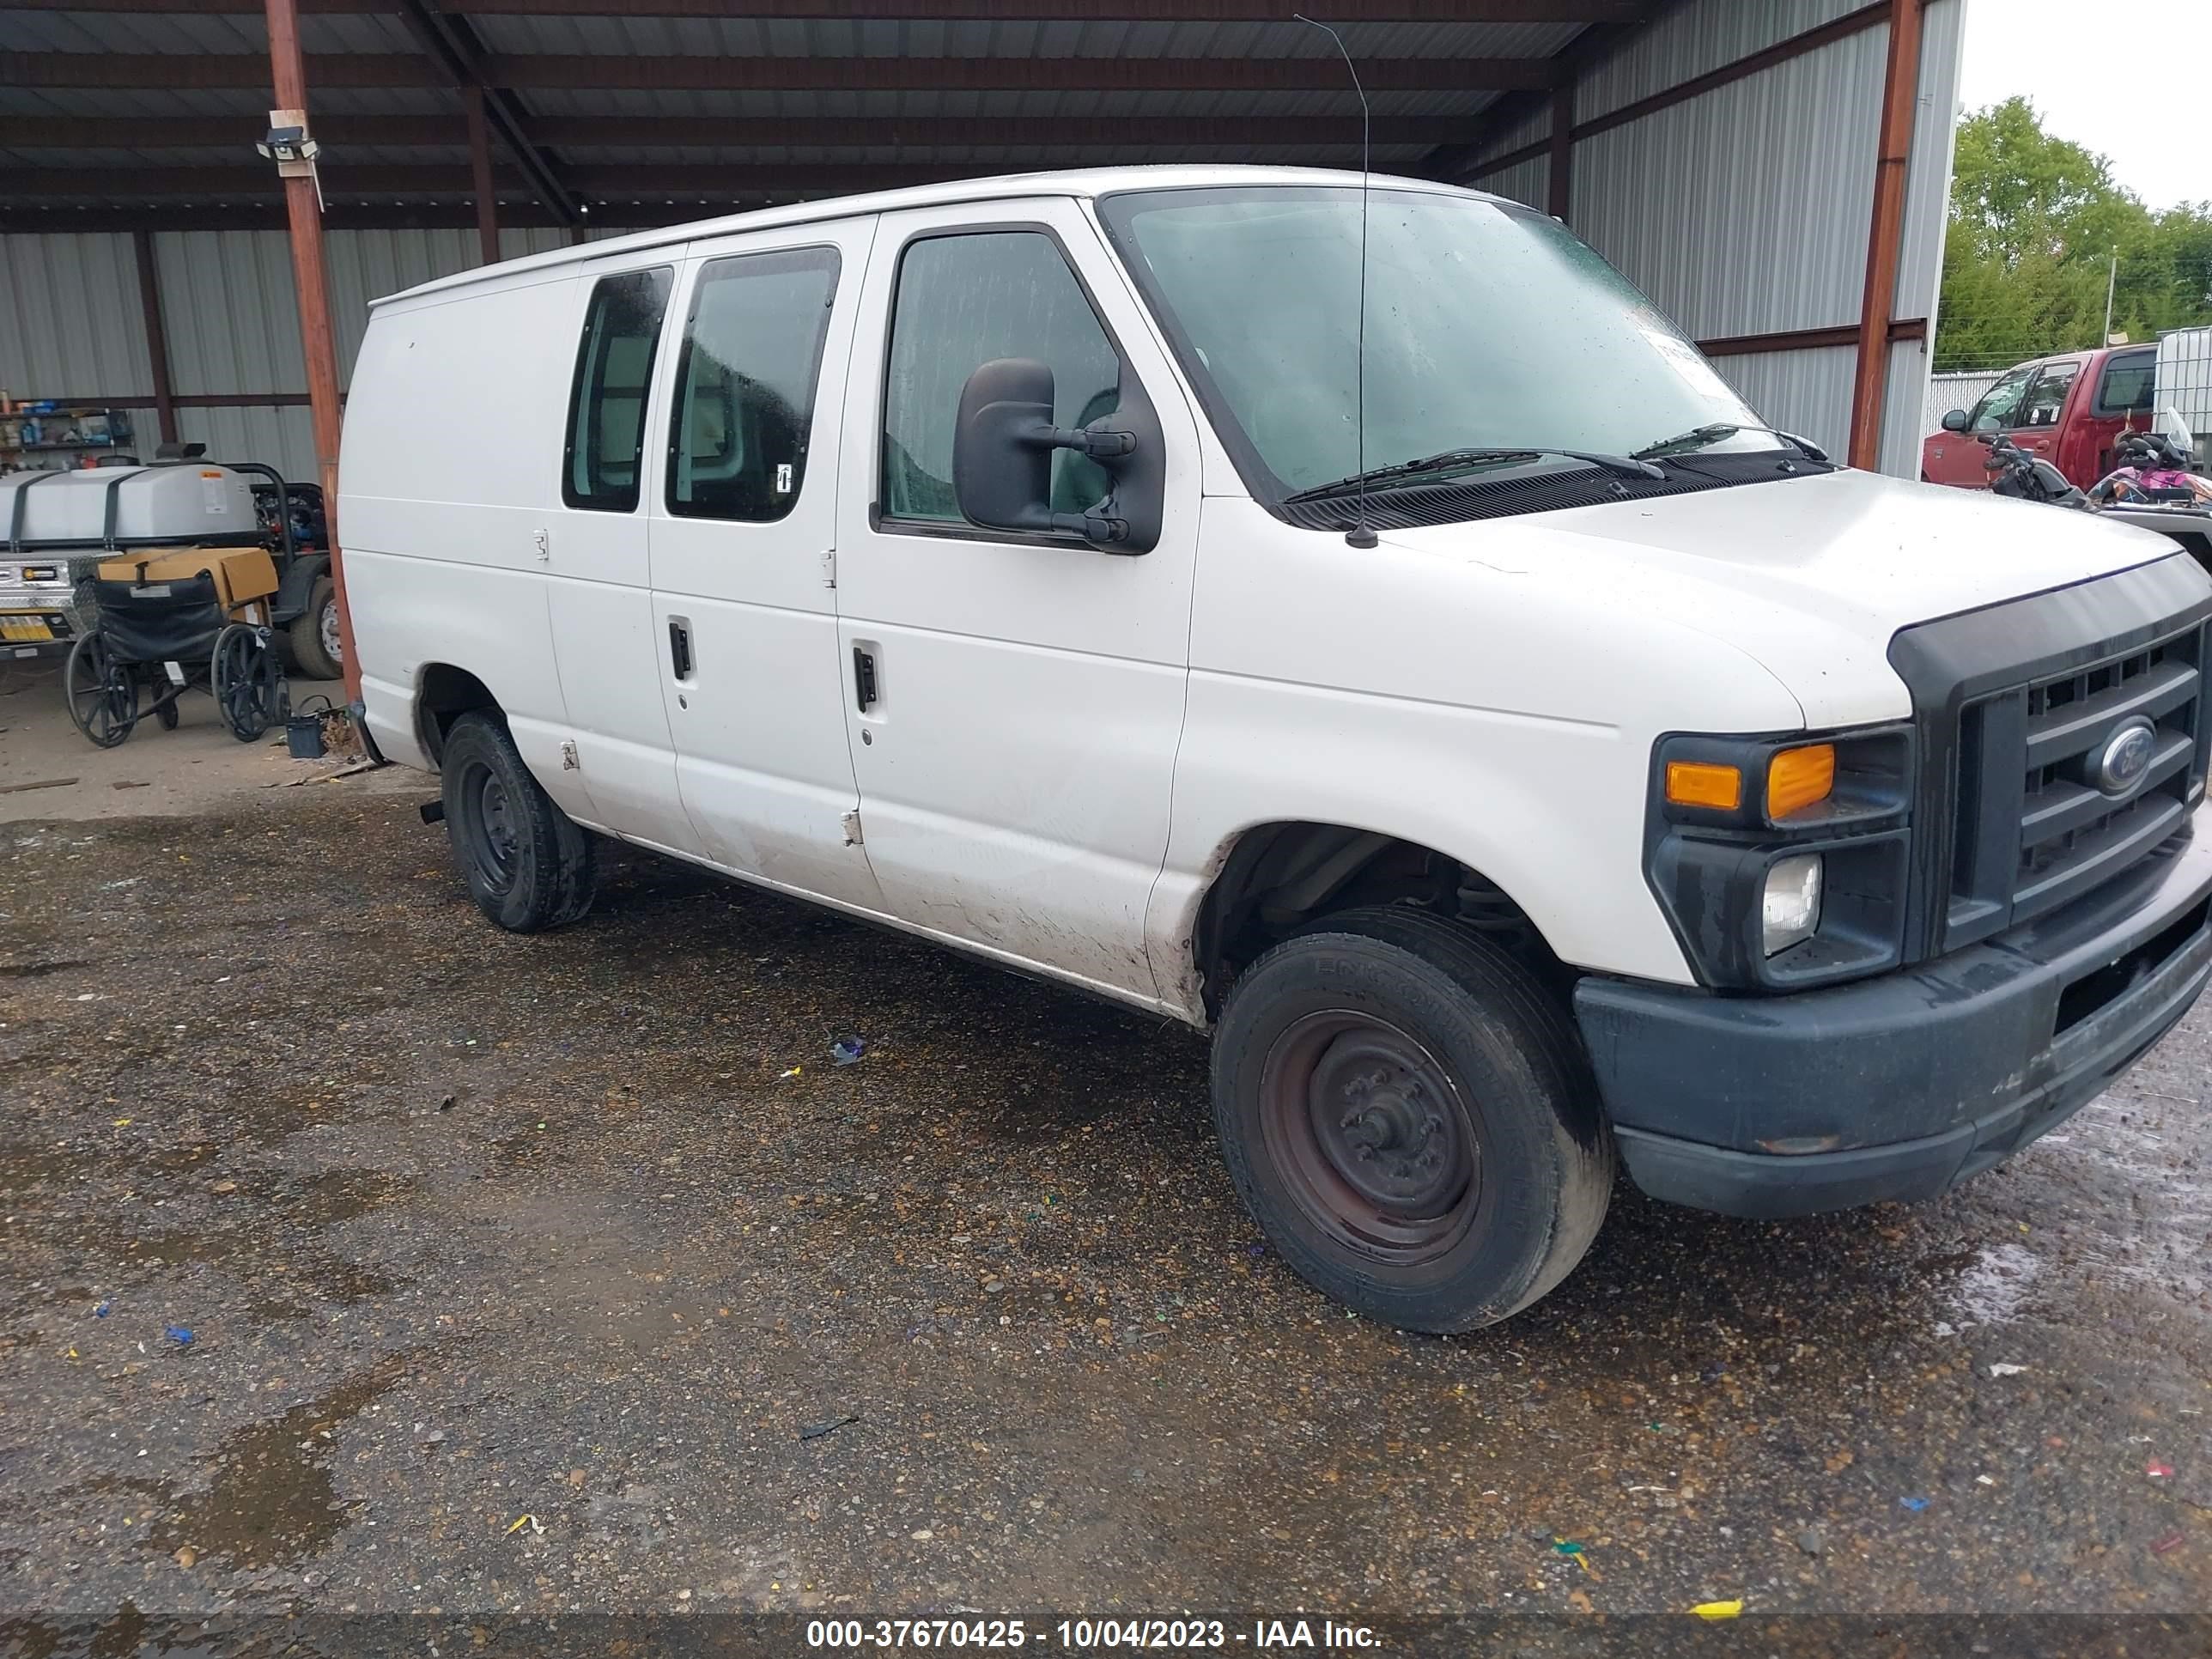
2121	763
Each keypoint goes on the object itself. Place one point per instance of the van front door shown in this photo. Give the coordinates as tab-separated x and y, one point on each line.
1015	700
743	526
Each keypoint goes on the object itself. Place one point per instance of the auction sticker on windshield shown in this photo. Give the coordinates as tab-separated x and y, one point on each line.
1684	359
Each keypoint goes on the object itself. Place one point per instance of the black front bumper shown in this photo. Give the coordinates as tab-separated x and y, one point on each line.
1901	1086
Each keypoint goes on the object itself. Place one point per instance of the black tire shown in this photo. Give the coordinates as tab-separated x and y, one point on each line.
528	865
166	712
248	686
102	694
1410	1118
313	638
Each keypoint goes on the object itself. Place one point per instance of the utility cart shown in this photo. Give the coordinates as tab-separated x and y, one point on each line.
61	526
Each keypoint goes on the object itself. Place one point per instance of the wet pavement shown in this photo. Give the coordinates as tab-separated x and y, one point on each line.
570	1272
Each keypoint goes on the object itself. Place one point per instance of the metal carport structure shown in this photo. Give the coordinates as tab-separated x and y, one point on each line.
1772	171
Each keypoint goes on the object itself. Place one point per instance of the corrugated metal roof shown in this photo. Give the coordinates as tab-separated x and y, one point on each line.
122	103
839	104
860	36
194	32
983	158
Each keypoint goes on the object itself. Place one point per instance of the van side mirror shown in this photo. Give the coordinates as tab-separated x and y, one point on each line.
1002	450
1955	421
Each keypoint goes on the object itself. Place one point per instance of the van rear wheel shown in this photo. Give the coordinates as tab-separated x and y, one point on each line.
1410	1119
528	865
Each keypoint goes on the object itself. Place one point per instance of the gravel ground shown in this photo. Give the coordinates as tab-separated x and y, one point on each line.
568	1272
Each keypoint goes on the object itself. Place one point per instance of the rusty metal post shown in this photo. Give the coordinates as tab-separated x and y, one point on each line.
303	210
1900	96
472	100
1562	168
157	339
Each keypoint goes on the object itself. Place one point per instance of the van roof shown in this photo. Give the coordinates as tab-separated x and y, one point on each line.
1083	182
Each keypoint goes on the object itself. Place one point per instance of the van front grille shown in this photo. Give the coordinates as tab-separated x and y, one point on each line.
2036	825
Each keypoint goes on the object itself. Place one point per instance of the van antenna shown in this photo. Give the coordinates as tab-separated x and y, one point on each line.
1361	534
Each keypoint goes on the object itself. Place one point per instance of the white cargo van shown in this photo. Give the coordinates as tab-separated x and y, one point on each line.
1540	763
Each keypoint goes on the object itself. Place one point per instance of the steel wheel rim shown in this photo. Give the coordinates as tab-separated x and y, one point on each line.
326	630
489	817
1372	1136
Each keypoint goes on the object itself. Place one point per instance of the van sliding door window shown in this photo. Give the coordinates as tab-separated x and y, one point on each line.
744	385
962	302
606	404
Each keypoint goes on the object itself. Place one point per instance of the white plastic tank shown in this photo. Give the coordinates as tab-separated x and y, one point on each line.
184	505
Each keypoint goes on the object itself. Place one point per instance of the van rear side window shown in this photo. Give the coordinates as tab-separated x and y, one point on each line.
606	404
744	385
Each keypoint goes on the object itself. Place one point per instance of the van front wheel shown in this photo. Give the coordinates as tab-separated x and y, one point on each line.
528	865
1410	1119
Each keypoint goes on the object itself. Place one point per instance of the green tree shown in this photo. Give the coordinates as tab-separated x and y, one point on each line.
2034	223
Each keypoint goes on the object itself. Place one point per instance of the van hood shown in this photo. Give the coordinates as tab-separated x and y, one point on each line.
1812	576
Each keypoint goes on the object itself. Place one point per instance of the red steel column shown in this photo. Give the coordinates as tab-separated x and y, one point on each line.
303	209
157	339
1562	170
1900	96
473	99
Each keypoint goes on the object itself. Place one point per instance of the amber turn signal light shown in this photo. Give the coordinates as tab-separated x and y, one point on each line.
1799	778
1705	783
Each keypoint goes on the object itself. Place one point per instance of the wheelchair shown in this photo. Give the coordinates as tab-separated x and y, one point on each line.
158	636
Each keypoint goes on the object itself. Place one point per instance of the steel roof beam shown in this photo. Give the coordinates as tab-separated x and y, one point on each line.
1163	11
711	132
704	181
452	44
206	71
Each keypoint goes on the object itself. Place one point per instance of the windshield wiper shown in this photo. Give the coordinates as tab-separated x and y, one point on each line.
1628	465
1699	437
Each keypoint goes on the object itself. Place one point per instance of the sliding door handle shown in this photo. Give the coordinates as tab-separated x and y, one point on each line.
864	678
679	648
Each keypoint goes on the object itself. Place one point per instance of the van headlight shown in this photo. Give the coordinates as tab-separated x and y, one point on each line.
1780	859
1791	908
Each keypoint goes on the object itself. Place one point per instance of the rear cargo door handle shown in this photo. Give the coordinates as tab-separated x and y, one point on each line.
864	678
679	648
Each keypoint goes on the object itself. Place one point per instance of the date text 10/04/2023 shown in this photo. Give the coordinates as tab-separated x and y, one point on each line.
1263	1635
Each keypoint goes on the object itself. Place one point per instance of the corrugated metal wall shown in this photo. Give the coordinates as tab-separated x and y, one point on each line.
1745	210
69	318
72	323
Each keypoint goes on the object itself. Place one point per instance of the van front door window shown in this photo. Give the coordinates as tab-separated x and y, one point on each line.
962	302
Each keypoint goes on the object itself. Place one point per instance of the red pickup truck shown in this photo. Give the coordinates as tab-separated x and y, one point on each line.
2068	410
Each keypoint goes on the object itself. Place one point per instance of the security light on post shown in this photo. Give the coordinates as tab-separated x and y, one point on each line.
288	144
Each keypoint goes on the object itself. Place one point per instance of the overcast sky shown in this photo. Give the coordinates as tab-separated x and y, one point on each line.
2113	78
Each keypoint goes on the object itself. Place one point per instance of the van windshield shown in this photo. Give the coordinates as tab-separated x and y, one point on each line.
1489	327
